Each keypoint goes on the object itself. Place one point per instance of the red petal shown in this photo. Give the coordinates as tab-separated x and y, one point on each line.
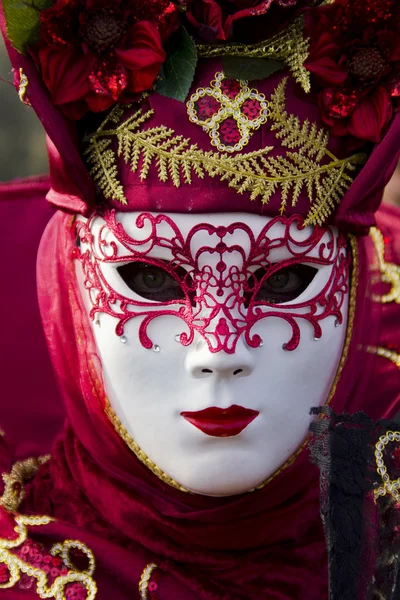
144	57
371	116
65	73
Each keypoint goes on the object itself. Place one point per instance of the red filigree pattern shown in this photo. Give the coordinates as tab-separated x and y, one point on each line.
220	293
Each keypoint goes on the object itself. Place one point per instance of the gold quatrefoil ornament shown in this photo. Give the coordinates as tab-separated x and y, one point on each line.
390	486
229	111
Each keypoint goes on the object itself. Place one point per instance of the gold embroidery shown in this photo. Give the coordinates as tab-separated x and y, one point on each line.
23	86
230	108
63	550
17	566
385	353
14	481
132	445
288	46
389	486
390	272
177	159
145	580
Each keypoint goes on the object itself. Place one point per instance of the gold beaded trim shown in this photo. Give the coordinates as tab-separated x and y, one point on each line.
305	163
390	272
21	472
145	580
230	108
16	565
132	445
394	357
389	486
23	86
288	46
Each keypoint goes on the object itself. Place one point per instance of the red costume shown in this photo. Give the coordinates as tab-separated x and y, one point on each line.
93	521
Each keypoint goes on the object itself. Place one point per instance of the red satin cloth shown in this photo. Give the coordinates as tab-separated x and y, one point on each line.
265	544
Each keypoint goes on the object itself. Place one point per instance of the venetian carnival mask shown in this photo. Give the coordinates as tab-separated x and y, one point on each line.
217	333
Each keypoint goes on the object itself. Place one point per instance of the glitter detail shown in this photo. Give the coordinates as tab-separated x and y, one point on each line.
390	272
156	348
218	302
304	163
229	121
288	46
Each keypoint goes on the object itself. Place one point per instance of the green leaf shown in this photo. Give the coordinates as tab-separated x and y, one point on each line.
23	21
179	69
237	67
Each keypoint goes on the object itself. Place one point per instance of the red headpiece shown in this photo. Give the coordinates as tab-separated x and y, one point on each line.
303	122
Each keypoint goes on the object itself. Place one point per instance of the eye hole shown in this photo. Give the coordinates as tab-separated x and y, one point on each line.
284	285
152	282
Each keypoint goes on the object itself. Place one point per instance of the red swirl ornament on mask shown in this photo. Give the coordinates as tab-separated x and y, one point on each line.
219	294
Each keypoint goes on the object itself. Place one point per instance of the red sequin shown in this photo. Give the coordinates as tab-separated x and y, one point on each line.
229	132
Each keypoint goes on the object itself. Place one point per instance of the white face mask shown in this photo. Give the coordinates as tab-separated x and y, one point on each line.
217	334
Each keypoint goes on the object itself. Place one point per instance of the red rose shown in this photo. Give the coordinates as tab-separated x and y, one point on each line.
214	19
94	53
356	65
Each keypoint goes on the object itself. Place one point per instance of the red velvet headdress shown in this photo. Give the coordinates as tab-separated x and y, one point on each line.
304	122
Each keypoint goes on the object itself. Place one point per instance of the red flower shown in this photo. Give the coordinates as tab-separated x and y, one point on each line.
94	53
356	65
214	19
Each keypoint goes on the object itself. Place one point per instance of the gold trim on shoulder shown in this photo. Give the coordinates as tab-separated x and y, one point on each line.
21	472
17	566
289	46
305	163
391	355
132	445
145	580
390	486
390	272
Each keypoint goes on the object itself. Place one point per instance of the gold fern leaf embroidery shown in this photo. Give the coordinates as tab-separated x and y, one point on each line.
307	164
289	46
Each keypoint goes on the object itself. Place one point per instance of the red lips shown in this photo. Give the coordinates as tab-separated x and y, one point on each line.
221	422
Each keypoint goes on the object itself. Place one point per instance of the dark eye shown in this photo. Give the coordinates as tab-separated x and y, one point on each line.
284	285
151	282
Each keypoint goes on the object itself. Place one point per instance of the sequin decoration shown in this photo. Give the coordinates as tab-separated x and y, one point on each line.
390	272
219	293
30	565
391	487
230	121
